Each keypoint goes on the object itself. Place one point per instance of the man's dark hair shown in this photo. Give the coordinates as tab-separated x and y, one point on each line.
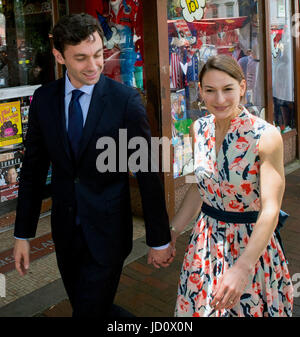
73	29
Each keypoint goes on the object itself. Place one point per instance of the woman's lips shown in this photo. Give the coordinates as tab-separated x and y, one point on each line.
222	108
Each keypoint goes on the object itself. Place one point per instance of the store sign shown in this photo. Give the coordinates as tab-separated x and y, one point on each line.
10	123
192	9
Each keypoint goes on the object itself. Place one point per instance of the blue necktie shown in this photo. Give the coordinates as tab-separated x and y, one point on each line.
75	121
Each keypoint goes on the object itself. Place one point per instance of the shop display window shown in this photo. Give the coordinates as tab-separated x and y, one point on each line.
198	30
26	62
25	49
122	24
282	65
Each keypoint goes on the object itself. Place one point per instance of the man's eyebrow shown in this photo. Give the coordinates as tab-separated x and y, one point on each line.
81	54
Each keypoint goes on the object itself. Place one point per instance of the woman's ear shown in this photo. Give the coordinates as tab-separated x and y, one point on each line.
243	87
200	89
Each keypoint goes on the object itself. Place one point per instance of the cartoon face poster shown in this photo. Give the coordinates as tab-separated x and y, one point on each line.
192	9
10	123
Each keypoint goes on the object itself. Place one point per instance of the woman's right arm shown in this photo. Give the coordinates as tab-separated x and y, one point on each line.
189	209
191	204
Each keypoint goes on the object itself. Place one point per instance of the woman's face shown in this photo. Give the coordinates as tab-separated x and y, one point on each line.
221	93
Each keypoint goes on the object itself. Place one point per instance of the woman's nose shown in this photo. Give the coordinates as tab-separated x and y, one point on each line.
220	97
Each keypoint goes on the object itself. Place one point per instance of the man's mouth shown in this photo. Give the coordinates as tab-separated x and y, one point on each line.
91	76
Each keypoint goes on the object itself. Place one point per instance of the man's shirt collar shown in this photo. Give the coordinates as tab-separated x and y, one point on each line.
87	89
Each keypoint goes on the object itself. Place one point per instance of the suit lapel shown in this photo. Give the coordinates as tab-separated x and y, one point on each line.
61	119
95	112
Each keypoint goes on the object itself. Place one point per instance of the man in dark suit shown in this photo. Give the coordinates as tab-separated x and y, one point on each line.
91	216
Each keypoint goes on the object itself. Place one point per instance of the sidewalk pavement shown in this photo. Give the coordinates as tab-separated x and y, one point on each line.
149	292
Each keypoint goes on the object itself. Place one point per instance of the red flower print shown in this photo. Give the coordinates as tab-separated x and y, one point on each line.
210	144
210	190
273	244
254	169
186	264
230	237
183	304
234	252
196	314
267	258
228	189
246	187
242	144
195	278
235	205
238	164
245	240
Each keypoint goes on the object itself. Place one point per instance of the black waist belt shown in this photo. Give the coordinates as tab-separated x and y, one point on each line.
231	217
242	217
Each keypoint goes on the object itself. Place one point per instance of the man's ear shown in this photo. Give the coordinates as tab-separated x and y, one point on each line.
58	56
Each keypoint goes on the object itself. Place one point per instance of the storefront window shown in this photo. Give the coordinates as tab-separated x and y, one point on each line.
25	48
122	23
200	29
282	65
26	62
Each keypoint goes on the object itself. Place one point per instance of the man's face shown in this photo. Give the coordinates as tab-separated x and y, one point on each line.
12	176
84	61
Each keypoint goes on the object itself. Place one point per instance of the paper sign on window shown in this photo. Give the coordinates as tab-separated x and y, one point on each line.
10	123
192	9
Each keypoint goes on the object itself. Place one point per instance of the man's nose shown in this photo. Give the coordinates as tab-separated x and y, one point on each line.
92	64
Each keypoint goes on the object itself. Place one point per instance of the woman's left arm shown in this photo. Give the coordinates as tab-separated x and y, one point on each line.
272	183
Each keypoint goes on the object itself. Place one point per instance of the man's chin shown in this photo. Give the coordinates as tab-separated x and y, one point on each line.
91	81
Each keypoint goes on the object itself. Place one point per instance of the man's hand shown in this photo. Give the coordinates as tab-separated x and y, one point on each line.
21	255
161	258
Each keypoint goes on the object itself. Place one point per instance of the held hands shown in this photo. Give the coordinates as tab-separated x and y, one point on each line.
21	255
230	287
161	258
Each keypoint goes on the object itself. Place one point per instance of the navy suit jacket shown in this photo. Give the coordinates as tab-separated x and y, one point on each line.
101	200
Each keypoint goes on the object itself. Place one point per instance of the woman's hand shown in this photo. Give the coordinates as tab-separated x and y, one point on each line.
230	287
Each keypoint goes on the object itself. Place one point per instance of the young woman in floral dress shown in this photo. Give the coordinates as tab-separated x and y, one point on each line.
234	264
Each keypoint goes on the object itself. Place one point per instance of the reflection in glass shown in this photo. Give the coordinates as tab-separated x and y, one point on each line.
282	65
25	48
226	27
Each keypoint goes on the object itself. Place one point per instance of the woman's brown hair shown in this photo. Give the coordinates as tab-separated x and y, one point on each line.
224	63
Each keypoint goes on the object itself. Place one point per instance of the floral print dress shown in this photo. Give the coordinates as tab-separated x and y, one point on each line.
230	182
